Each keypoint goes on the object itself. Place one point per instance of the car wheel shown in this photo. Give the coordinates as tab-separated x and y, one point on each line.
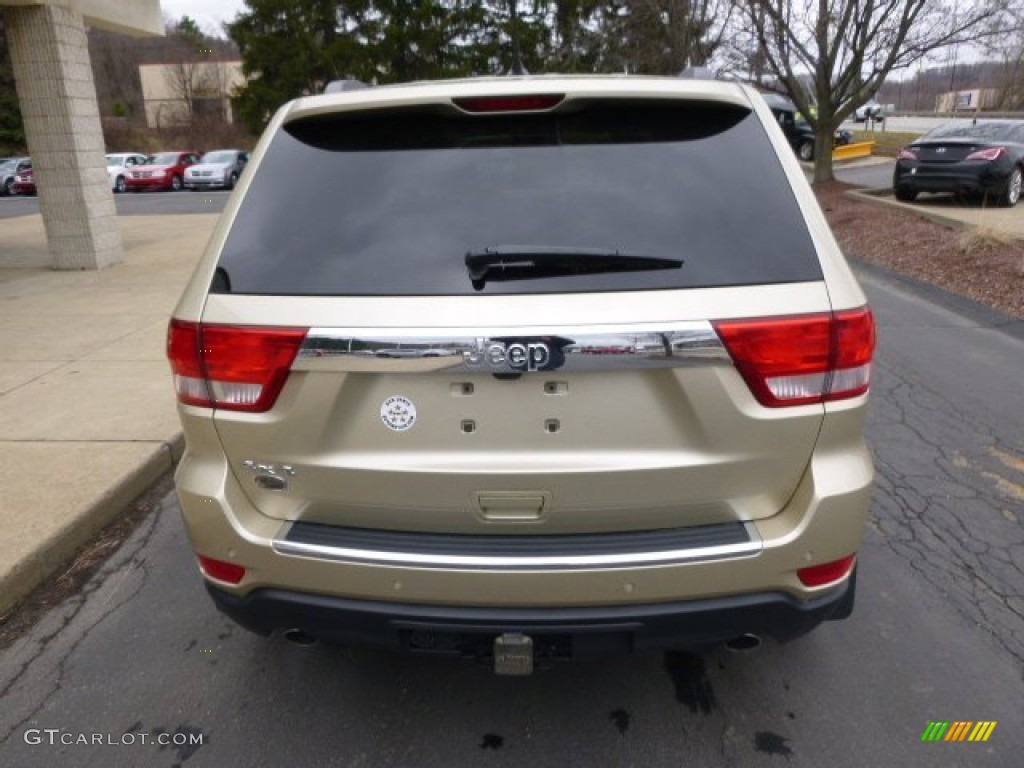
9	187
232	180
176	183
119	185
806	151
905	194
1013	189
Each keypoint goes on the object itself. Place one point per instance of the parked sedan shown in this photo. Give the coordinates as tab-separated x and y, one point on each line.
164	170
10	167
119	164
218	169
25	181
984	157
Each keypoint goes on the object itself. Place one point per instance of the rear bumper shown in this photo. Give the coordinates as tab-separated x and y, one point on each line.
577	632
963	179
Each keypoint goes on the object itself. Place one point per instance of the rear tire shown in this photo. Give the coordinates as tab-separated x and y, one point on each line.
905	195
806	151
1012	192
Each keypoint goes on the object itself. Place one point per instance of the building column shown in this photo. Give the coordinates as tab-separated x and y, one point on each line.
50	54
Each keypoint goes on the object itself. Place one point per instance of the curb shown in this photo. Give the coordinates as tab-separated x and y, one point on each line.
53	553
883	195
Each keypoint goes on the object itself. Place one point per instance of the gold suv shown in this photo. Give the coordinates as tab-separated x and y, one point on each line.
525	368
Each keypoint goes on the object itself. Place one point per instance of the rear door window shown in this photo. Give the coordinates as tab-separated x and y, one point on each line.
390	202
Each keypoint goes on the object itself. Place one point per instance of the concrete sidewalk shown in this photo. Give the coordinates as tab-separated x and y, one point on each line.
87	412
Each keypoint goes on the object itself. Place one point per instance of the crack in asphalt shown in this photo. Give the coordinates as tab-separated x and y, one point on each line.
944	514
131	562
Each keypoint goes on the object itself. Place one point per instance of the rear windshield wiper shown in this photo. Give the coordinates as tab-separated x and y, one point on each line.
500	263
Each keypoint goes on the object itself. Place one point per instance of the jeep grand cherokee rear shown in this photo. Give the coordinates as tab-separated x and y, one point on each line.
525	367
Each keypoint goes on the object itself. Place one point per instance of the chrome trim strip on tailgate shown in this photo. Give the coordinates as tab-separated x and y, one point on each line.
514	552
513	350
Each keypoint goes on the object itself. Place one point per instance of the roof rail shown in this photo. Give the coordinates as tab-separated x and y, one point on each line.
348	84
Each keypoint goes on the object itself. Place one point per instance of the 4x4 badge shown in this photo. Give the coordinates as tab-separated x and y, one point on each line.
398	413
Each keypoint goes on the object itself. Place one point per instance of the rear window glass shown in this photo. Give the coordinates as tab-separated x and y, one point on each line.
390	203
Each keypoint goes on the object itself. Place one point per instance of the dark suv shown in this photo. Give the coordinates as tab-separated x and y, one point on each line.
798	131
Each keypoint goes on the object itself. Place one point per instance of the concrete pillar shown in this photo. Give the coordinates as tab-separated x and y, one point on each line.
50	55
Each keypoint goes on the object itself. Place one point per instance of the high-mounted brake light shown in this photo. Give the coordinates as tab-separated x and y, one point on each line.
534	103
239	368
907	154
802	359
992	153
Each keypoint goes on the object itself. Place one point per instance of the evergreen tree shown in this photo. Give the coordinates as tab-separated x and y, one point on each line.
12	131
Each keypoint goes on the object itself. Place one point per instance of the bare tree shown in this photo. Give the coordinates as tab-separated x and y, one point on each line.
1009	77
848	47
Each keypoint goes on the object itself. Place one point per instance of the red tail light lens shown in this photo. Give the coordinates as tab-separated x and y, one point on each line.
907	154
240	368
992	153
537	103
232	573
826	573
802	359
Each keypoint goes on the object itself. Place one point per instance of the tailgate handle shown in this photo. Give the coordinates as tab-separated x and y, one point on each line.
512	506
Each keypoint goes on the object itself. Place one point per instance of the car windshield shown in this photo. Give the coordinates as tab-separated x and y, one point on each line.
115	159
10	165
219	157
165	158
989	131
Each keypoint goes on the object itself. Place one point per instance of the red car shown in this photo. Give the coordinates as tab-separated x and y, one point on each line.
24	182
164	170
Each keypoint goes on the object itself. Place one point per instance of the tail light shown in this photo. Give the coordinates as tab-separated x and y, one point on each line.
992	153
826	573
239	368
804	358
907	154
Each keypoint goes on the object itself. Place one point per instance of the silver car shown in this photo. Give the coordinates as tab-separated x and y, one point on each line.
524	369
218	169
10	167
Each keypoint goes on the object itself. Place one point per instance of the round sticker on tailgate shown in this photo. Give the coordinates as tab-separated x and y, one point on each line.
398	413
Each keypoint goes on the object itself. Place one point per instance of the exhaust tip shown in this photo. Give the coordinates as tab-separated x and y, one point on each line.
744	642
299	637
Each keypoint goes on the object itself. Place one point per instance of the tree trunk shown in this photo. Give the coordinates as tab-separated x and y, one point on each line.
823	154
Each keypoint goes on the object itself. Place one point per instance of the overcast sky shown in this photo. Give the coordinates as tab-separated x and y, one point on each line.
210	14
